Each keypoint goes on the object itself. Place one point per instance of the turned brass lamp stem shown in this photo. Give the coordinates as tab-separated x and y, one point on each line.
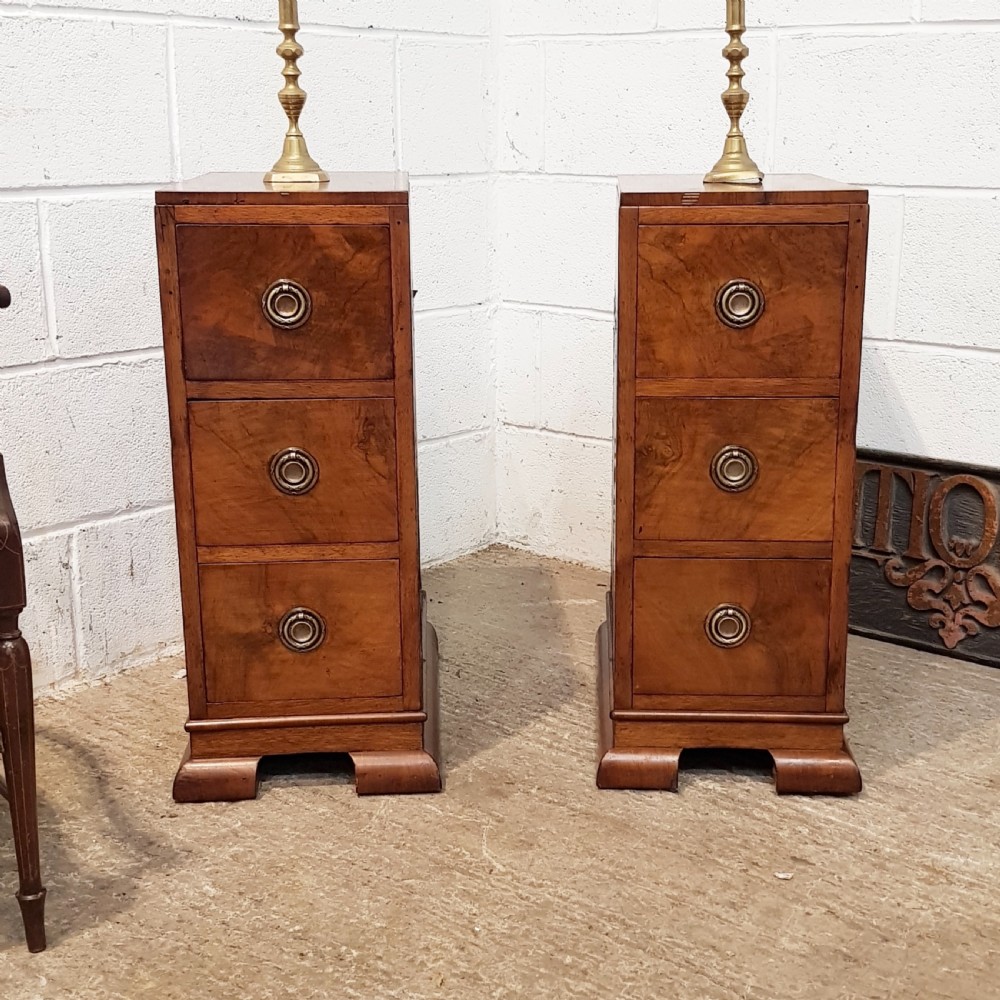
735	167
295	165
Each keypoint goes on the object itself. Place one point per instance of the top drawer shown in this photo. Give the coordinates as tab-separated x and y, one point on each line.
741	301
285	302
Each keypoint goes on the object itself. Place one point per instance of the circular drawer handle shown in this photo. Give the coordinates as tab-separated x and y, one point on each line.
728	626
294	471
739	303
287	304
734	469
302	630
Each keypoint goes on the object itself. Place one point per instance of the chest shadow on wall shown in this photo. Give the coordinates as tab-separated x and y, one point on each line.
926	566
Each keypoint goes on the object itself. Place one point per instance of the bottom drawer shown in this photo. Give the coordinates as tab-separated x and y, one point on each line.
301	631
731	627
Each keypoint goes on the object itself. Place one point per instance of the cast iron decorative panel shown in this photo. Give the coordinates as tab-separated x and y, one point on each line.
926	567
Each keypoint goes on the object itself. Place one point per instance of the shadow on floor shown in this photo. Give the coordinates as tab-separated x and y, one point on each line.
510	644
80	894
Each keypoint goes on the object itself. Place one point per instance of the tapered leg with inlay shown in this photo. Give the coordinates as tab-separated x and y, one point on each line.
17	734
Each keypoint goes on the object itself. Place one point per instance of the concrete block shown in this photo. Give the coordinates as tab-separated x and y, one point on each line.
521	143
231	119
445	107
959	10
130	609
451	242
454	373
447	16
466	16
571	17
679	15
47	623
884	242
85	441
554	495
908	403
518	339
457	496
646	105
94	105
785	13
949	291
860	125
558	242
104	275
23	328
577	375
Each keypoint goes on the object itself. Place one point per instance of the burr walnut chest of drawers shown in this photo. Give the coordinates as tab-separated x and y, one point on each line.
287	333
739	345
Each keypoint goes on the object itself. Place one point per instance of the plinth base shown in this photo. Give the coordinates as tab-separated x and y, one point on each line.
393	753
642	750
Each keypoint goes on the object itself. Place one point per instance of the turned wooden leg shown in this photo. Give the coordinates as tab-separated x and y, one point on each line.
216	779
17	732
639	769
816	772
396	772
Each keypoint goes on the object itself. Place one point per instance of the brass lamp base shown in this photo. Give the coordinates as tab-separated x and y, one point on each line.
736	166
295	166
315	177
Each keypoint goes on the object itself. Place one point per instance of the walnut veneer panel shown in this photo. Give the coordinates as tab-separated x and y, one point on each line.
225	271
352	442
788	601
359	657
794	442
799	268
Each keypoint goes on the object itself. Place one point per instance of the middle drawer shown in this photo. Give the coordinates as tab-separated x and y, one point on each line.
737	469
297	471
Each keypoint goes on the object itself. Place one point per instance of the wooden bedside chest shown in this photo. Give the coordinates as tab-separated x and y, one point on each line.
289	358
739	350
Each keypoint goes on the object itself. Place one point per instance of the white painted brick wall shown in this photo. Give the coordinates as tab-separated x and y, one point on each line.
513	118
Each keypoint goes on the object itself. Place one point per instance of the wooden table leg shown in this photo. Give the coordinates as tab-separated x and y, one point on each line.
17	731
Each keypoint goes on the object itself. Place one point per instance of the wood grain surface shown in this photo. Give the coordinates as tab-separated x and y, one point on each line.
246	662
793	440
224	270
352	442
788	603
800	269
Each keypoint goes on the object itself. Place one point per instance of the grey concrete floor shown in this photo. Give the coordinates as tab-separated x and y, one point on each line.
521	880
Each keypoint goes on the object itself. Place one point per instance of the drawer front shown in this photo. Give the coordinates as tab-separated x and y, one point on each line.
285	472
301	631
735	469
738	627
240	320
701	287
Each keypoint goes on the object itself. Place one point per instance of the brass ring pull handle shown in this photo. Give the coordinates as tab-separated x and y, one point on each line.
739	304
294	471
302	630
4	297
734	469
728	626
286	304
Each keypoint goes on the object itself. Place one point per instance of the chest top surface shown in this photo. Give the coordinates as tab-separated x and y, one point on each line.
656	190
367	188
